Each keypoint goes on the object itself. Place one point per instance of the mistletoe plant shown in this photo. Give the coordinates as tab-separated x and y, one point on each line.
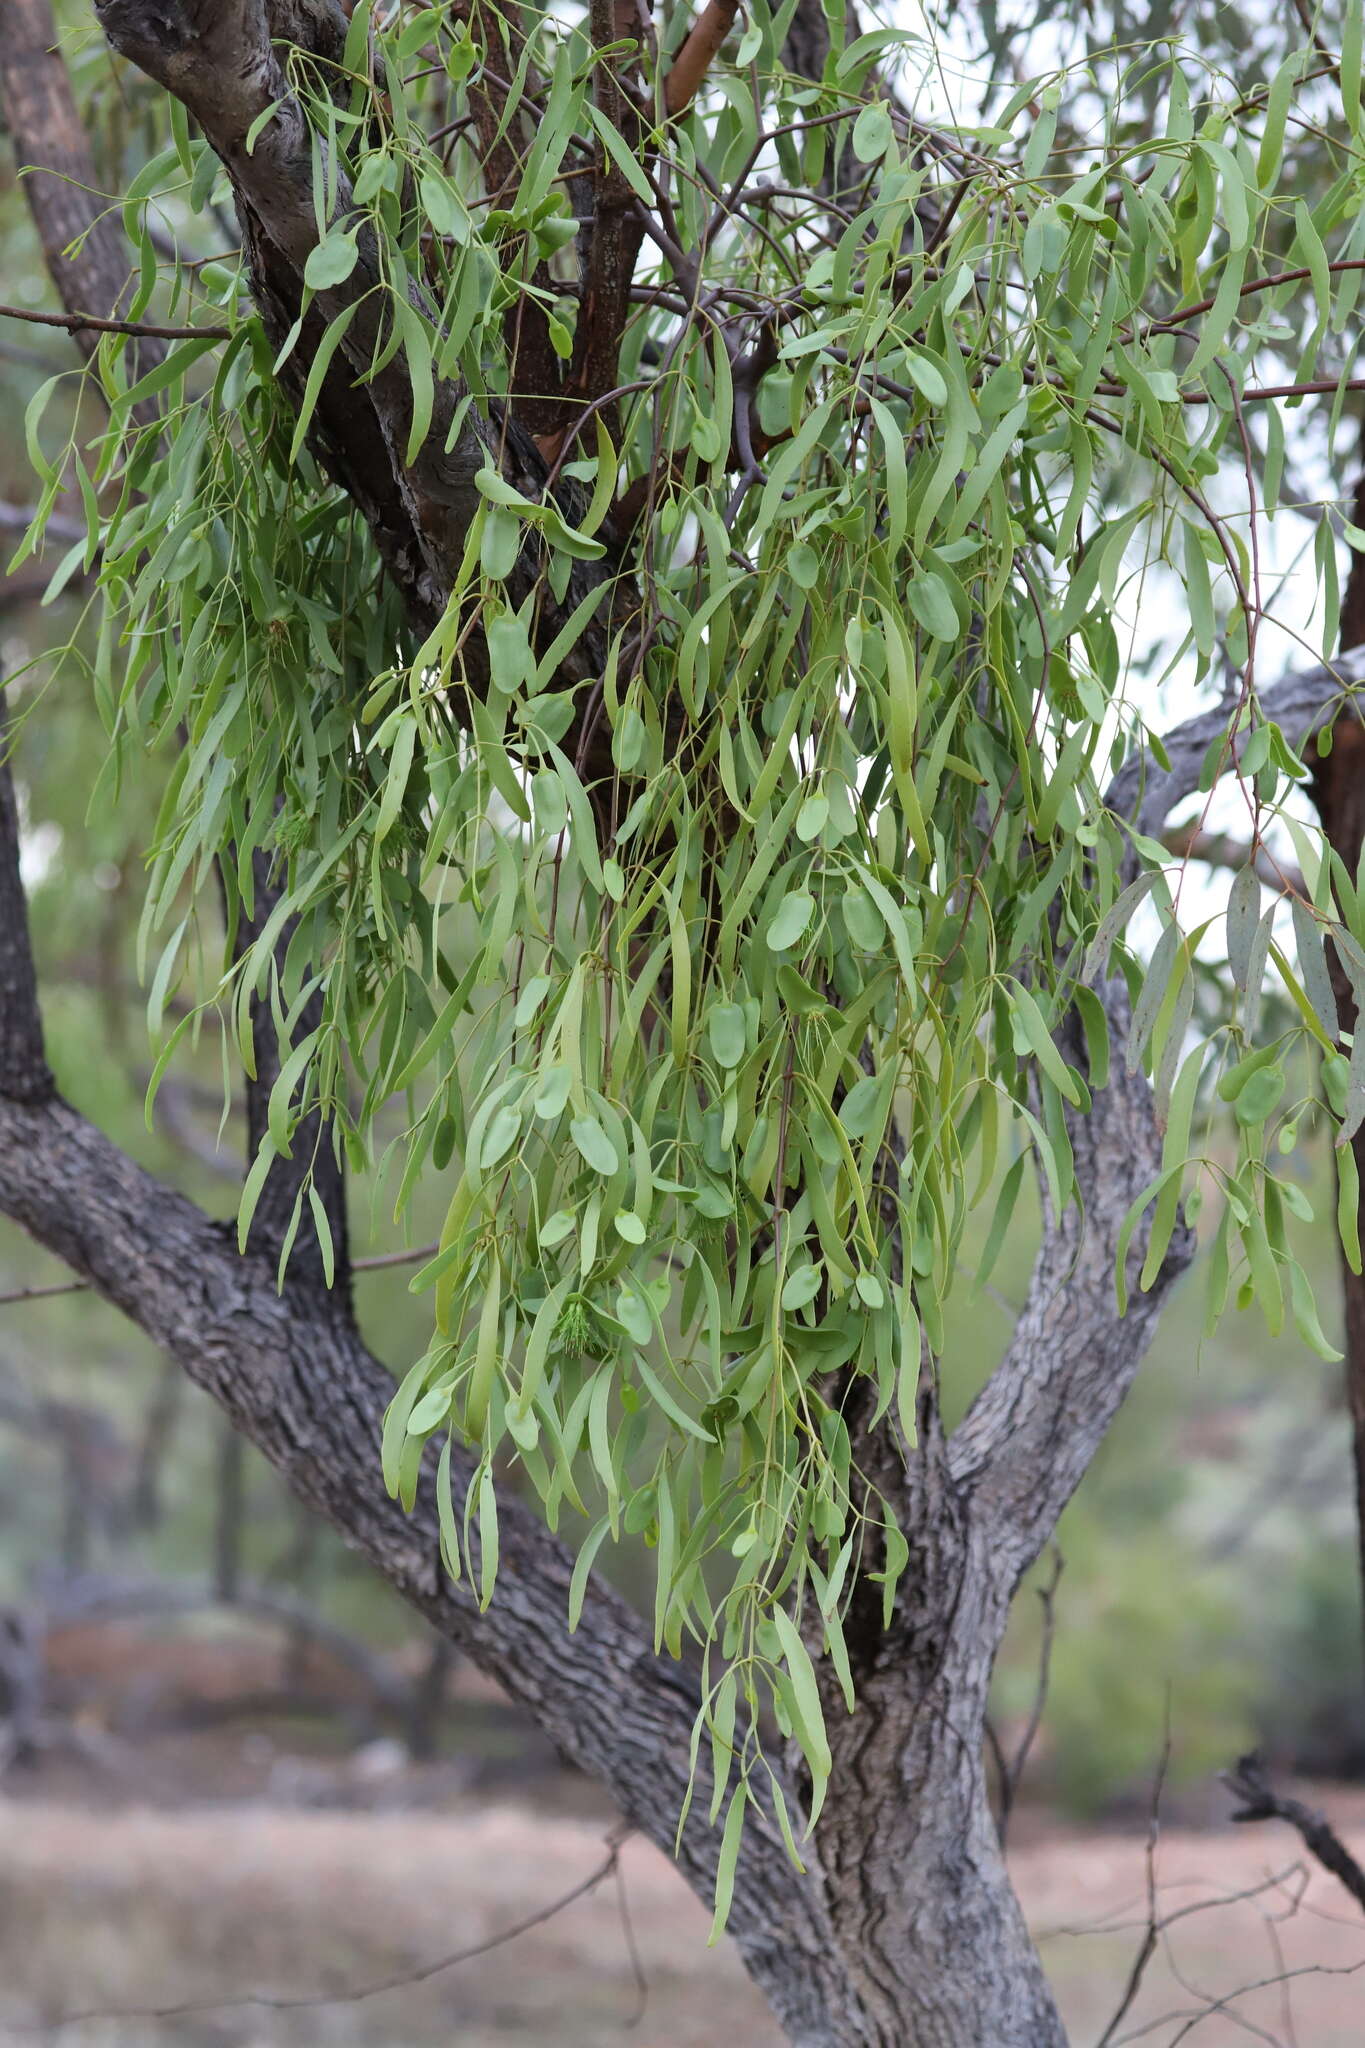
642	546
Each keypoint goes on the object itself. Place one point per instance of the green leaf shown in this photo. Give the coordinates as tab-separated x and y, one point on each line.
479	1392
926	376
873	133
789	920
802	1285
396	781
1243	917
929	599
594	1144
331	261
727	1863
1034	1027
810	1720
726	1031
442	207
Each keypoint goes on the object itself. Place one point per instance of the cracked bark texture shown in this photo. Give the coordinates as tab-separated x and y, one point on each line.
904	1928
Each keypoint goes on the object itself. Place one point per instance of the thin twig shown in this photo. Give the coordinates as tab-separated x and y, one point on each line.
75	322
1217	2005
374	1264
637	1968
1012	1773
1152	1930
398	1981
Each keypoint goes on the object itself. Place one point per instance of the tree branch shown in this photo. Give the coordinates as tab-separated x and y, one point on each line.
1338	789
24	1072
81	323
613	241
222	63
698	53
291	1372
1303	702
1249	1781
1029	1438
82	243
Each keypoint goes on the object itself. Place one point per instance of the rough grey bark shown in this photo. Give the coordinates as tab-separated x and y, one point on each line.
298	1381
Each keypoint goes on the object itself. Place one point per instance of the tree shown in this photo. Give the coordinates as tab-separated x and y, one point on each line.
630	557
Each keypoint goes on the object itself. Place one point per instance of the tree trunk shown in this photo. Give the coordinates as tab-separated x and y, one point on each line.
929	1930
1339	793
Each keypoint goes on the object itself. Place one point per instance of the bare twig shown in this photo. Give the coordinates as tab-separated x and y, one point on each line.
1152	1931
637	1968
1217	2005
76	323
398	1981
1012	1772
1249	1781
370	1265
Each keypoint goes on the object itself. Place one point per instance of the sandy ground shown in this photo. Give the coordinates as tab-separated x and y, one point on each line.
138	1908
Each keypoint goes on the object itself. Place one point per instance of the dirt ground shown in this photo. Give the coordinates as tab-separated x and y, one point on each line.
132	1908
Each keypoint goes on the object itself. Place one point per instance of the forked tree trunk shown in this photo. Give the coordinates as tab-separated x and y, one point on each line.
932	1938
904	1930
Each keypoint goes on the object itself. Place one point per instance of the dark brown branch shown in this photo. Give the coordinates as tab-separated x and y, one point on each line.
698	53
82	242
24	1072
535	369
1249	1781
81	323
223	64
614	237
1338	790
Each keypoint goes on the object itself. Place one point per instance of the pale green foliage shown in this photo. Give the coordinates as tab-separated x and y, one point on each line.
862	710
